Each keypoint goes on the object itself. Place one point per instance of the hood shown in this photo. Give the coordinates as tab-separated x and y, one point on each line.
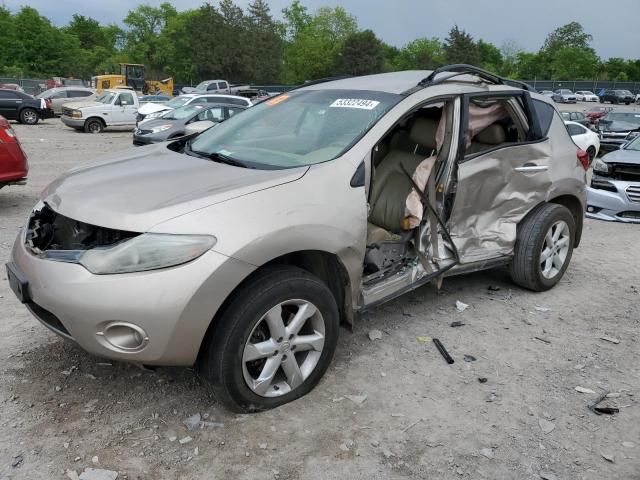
623	156
148	108
84	104
154	122
139	188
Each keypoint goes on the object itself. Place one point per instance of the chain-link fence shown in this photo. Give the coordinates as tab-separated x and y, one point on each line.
32	86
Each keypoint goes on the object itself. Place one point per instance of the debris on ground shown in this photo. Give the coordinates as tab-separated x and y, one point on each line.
17	460
185	440
457	323
542	309
206	424
375	335
584	390
423	339
443	351
491	397
548	476
98	474
610	339
357	399
460	306
72	475
95	459
469	358
544	340
193	422
546	426
482	379
493	288
598	409
487	452
628	444
388	454
608	457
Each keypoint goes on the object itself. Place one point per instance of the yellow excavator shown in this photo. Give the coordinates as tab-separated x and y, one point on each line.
132	77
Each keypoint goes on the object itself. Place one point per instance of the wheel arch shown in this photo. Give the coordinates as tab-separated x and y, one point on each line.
573	204
325	265
95	117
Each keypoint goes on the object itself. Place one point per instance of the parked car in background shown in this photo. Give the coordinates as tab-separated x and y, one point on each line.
13	161
616	128
253	94
617	96
12	86
209	86
615	186
547	93
15	105
564	95
150	111
174	123
112	108
586	96
595	113
59	96
242	250
161	99
586	139
576	117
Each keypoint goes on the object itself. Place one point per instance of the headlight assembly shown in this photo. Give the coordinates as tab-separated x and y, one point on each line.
161	128
600	166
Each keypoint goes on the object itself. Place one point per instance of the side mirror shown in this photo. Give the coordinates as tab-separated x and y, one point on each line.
198	127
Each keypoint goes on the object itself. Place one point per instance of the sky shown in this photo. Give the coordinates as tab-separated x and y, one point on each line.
397	22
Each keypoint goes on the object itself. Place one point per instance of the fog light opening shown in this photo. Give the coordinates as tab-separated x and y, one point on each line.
125	336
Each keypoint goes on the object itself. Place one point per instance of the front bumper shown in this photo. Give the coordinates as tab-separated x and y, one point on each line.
72	122
614	206
148	139
47	113
173	307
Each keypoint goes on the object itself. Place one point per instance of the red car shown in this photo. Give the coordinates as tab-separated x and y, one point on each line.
595	113
13	160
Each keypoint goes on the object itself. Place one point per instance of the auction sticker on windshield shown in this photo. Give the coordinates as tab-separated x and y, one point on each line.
355	103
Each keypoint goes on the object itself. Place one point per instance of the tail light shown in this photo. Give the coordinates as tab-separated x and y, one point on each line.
47	102
583	158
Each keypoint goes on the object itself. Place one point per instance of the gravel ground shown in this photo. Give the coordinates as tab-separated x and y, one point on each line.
388	408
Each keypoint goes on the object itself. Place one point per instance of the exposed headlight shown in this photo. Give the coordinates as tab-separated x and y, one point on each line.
155	114
161	128
149	251
76	114
600	166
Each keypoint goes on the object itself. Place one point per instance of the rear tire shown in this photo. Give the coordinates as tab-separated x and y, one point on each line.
93	125
289	363
544	245
29	116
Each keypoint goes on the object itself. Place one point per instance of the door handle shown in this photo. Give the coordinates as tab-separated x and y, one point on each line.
531	168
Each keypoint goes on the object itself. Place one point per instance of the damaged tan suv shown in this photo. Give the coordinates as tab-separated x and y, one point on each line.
242	249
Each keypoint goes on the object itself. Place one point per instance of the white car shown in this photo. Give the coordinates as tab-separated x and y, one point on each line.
586	96
154	110
586	139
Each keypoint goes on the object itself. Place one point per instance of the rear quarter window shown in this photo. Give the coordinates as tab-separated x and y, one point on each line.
545	113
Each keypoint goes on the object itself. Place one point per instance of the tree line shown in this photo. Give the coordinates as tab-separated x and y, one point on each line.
251	46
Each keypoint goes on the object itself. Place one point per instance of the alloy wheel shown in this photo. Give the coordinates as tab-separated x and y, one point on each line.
283	348
555	249
30	117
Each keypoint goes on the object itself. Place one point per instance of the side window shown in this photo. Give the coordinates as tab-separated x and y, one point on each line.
223	85
80	93
125	97
211	86
61	94
215	114
235	101
232	111
5	94
198	100
492	122
545	112
575	130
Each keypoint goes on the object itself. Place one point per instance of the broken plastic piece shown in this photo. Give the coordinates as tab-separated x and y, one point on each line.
443	351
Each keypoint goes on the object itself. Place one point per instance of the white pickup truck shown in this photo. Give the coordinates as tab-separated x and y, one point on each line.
112	108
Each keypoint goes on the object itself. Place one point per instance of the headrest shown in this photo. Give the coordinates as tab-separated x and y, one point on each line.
423	132
494	134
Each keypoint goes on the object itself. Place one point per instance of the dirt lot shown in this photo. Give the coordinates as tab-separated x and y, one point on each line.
389	408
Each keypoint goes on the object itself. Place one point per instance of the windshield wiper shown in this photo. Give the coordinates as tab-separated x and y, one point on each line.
216	157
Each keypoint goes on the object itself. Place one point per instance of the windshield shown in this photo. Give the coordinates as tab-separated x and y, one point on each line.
587	92
182	112
622	117
625	92
106	97
178	102
202	85
46	93
304	127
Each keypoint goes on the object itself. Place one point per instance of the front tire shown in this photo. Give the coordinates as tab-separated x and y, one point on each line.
28	116
93	125
544	246
273	342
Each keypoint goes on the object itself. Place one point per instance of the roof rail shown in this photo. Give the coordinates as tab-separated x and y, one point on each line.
459	69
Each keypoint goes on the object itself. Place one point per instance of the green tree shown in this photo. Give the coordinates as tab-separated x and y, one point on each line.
420	54
490	56
572	63
571	35
264	43
361	54
459	47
